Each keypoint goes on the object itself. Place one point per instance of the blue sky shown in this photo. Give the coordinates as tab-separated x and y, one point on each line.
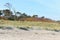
47	8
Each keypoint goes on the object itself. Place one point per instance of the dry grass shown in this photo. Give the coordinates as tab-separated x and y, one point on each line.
42	25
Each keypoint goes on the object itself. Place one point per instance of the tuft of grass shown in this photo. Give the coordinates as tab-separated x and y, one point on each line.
1	27
23	28
4	27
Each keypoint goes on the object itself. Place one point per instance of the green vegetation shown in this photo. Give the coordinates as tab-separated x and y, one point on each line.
31	24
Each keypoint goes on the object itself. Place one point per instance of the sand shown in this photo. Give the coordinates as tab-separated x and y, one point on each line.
18	34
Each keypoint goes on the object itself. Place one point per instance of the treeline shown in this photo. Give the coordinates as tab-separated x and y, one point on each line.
18	16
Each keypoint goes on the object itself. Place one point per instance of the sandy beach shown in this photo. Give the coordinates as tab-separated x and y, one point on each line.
18	34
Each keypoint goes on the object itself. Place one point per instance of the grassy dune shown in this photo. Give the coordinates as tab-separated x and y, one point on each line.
39	25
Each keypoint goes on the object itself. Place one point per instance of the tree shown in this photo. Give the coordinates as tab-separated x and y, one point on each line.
42	17
28	16
7	13
8	5
0	13
23	15
18	14
35	16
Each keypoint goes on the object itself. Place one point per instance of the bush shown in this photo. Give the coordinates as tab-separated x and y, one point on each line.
9	28
23	28
1	27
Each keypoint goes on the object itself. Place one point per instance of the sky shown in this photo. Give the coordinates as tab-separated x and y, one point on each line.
48	8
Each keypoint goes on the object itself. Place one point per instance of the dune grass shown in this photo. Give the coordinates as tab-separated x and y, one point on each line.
39	25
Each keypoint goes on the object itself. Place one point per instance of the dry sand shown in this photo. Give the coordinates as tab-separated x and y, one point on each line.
18	34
